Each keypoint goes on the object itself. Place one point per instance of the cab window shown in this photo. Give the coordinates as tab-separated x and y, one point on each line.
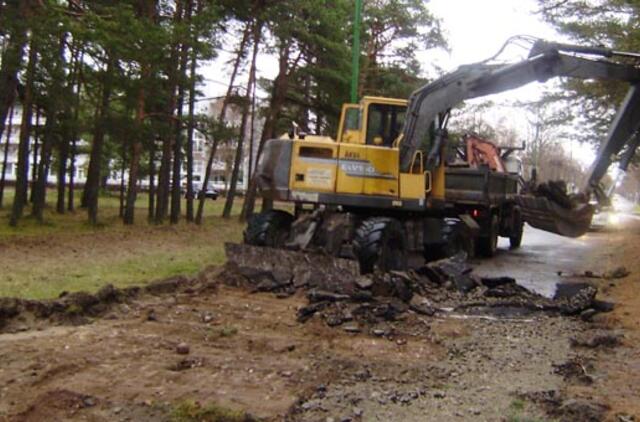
384	124
351	126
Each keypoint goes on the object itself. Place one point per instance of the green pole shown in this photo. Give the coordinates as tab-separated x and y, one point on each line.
355	51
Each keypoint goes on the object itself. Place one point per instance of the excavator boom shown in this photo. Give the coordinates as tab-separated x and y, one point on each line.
546	60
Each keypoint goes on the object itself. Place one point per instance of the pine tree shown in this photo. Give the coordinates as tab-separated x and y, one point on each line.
609	23
20	197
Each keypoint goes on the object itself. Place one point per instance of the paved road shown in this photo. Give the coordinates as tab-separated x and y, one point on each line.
536	264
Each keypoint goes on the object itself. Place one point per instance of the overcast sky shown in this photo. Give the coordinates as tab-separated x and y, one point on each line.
475	30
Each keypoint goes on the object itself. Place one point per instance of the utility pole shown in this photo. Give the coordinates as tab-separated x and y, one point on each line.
355	51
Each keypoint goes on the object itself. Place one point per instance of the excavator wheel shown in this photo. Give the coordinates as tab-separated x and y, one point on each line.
380	243
515	239
268	228
488	245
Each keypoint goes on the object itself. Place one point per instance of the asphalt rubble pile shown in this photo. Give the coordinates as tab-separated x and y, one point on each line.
337	294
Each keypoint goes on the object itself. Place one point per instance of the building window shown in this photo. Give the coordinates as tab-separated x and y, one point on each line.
198	145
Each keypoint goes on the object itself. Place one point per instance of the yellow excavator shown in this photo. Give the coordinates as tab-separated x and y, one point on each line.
382	192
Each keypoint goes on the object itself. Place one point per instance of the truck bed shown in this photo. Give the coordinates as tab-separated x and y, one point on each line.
479	186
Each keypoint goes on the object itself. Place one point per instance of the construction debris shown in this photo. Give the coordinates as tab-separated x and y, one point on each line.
597	339
340	296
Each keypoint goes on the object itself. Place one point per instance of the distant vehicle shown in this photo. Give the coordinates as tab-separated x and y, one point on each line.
209	192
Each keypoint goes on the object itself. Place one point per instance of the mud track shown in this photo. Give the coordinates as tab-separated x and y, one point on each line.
201	344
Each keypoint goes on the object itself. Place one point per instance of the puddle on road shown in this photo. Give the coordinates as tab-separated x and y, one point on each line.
547	289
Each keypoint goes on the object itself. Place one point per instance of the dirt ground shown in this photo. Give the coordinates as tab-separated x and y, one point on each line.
215	352
619	369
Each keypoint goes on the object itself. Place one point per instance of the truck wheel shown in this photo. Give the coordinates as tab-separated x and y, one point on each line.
487	245
457	240
515	239
380	243
268	228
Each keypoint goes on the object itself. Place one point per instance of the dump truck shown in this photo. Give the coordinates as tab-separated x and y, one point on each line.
378	192
483	180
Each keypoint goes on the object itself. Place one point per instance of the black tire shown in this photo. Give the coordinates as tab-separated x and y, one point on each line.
515	239
488	245
381	243
268	228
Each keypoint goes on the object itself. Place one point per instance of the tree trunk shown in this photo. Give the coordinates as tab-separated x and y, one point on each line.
252	134
57	115
40	184
207	175
278	97
10	65
136	152
221	117
190	130
162	189
5	157
147	11
74	132
72	173
92	184
34	161
152	181
62	176
123	158
20	197
177	146
237	163
164	178
132	188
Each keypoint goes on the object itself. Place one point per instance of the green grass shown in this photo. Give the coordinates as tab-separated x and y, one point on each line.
67	254
77	221
517	405
518	413
228	331
190	411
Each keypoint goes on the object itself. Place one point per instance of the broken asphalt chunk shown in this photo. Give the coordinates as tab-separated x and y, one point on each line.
307	312
325	296
596	339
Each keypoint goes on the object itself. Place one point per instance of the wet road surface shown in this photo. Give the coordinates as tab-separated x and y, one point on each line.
536	263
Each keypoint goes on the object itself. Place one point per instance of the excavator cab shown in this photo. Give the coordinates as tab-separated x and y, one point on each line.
376	121
361	167
384	124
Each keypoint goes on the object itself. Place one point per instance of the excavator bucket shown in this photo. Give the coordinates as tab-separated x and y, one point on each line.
546	214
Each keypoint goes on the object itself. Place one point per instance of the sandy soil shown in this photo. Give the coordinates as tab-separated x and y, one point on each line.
247	352
618	370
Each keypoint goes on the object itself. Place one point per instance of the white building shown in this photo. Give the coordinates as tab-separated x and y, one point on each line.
12	135
220	170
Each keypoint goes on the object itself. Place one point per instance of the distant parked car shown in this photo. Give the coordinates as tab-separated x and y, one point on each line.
209	192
